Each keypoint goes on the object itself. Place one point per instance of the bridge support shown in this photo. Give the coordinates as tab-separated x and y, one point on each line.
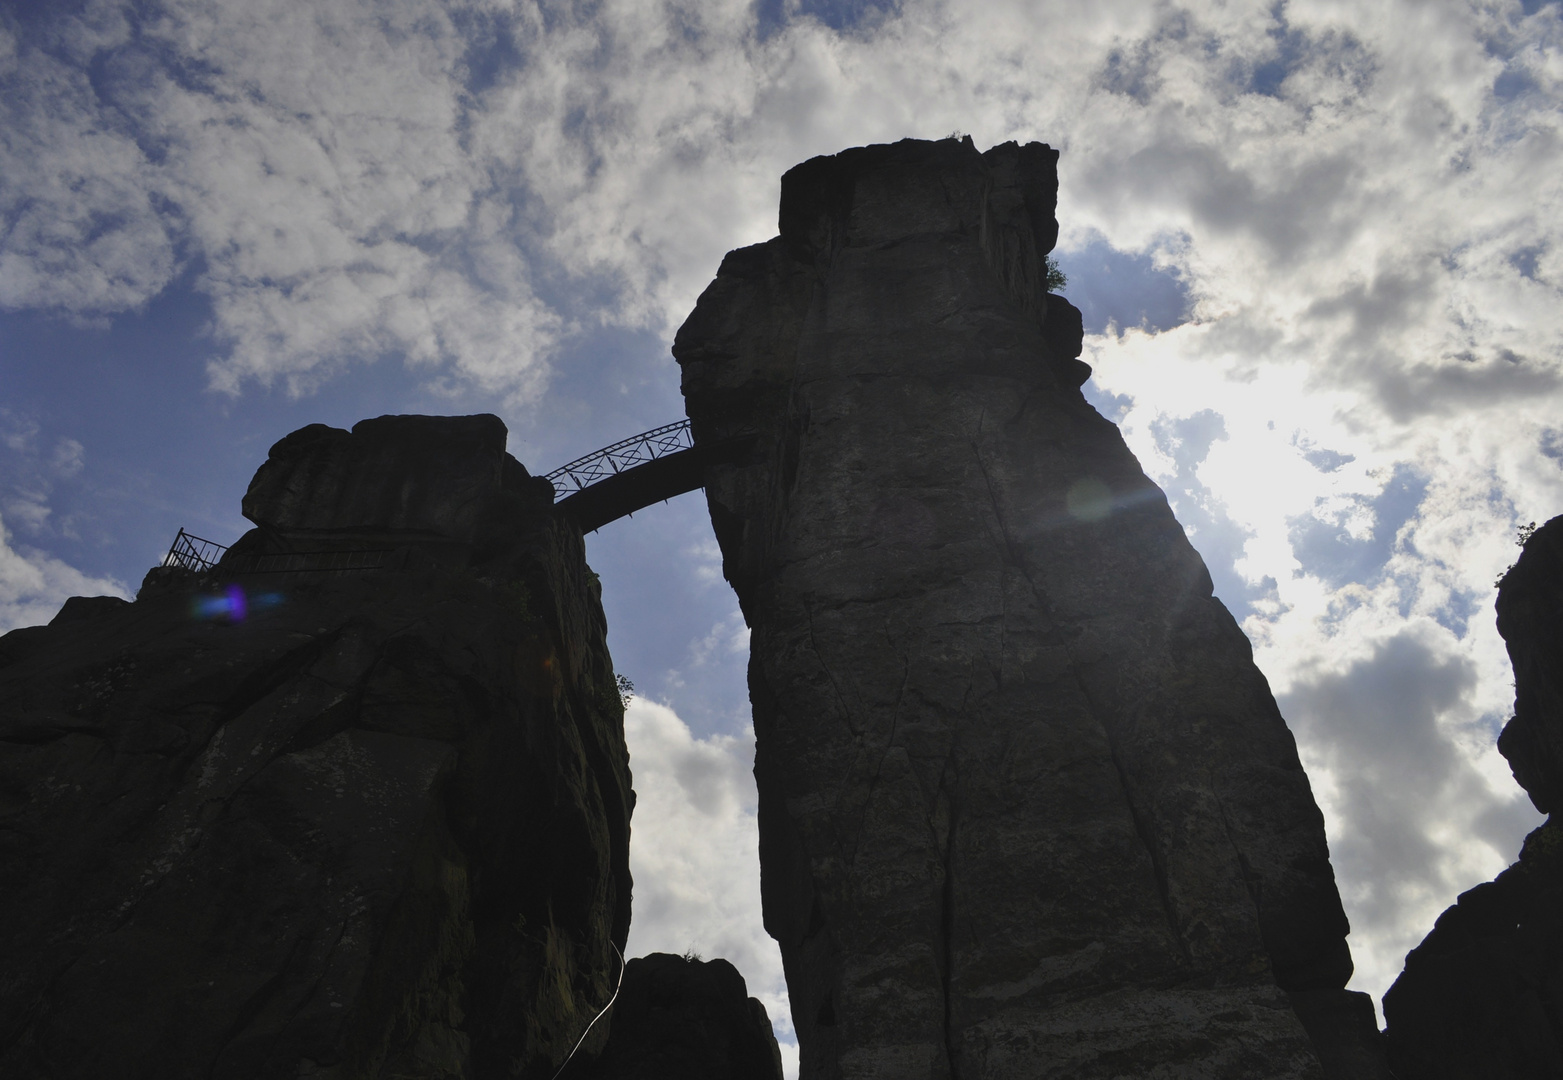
653	481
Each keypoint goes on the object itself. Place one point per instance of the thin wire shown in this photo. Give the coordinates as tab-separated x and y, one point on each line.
599	1016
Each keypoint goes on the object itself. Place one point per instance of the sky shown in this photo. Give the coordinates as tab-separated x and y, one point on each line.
1317	246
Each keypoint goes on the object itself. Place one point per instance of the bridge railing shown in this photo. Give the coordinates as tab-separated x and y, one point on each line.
621	456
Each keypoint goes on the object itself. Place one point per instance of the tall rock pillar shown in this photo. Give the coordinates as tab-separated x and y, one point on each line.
1027	807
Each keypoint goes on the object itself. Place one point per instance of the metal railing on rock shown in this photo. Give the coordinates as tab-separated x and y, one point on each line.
623	456
202	556
193	552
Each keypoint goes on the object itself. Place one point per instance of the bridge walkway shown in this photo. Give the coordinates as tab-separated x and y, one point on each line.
633	473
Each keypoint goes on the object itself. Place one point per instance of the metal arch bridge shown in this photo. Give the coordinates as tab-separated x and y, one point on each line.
633	473
603	486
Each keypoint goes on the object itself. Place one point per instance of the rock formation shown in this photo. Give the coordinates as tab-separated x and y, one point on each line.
355	805
1027	807
1482	996
682	1018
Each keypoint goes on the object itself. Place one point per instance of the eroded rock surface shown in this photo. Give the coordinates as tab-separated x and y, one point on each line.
682	1018
323	823
1482	995
443	475
1027	807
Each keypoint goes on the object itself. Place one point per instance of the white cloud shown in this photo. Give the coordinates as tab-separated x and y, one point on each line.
28	475
1420	803
313	166
1369	589
33	585
17	432
354	188
706	557
78	198
68	458
728	637
694	851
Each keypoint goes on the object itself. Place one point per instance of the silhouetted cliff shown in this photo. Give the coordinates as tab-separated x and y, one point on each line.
1482	996
289	819
1027	807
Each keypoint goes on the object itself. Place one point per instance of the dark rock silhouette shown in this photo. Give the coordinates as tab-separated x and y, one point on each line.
320	823
681	1018
446	475
1027	807
1482	995
1530	618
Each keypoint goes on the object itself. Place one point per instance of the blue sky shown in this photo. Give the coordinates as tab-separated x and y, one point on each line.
1317	247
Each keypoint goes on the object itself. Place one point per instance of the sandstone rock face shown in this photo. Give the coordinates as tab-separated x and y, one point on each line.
1482	996
436	474
1027	807
338	824
679	1018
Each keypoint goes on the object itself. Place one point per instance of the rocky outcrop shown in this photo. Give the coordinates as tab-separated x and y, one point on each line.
1482	995
443	475
682	1018
354	805
1027	807
1530	618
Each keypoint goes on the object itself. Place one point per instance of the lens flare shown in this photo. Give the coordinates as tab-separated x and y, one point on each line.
1089	499
232	604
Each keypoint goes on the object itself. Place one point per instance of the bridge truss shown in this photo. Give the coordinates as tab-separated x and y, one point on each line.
622	456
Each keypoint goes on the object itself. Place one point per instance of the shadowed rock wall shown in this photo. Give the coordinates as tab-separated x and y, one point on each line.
1027	808
1482	996
364	824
